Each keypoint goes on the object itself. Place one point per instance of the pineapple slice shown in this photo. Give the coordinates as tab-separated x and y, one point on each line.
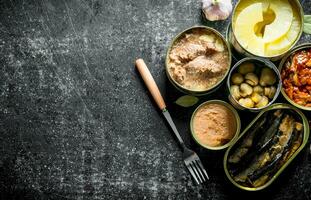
265	5
266	27
295	28
244	28
246	3
268	18
283	44
278	47
282	23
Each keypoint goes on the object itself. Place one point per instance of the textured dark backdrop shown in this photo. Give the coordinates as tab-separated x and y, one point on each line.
76	121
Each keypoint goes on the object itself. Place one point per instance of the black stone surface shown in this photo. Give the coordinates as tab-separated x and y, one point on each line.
76	121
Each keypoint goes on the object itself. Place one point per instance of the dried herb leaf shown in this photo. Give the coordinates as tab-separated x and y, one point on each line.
187	101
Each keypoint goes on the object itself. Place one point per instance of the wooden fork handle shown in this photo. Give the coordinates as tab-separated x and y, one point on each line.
150	83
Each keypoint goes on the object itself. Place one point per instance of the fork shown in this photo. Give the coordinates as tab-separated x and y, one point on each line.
191	159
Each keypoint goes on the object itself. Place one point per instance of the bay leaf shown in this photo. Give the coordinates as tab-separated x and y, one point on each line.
307	24
187	101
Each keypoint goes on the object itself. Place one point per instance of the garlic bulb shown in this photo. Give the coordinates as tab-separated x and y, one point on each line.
216	9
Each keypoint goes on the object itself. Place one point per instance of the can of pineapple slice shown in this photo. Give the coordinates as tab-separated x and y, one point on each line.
242	51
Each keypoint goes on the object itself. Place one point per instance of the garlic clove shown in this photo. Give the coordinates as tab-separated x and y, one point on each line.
215	10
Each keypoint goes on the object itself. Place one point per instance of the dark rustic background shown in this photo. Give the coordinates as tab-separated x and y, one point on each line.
76	121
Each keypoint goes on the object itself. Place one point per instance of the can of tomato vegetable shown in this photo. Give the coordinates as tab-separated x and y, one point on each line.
296	77
265	29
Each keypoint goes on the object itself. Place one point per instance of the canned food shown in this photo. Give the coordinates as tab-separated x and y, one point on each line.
215	125
266	147
250	85
296	28
198	60
296	78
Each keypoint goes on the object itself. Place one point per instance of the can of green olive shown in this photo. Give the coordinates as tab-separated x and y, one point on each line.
248	130
259	64
283	63
236	45
184	89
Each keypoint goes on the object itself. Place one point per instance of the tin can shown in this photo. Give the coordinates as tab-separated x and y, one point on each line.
244	52
305	137
237	122
260	61
282	63
180	87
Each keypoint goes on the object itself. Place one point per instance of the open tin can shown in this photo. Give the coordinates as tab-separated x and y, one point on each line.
180	87
282	64
281	164
236	122
234	43
258	61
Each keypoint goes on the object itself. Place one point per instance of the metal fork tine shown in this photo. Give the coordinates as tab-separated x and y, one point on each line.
196	171
193	174
202	167
199	170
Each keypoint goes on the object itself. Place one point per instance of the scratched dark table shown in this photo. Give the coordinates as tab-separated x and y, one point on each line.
77	122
